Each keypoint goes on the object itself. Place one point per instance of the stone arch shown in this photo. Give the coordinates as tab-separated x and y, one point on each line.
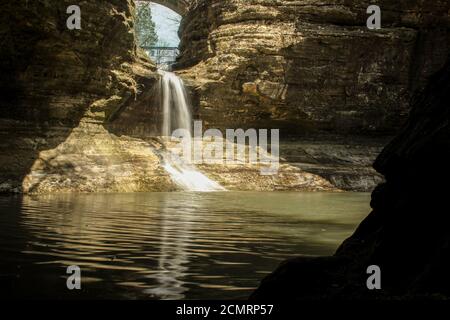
179	6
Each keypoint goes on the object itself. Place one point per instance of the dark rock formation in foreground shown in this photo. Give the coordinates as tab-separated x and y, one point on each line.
407	234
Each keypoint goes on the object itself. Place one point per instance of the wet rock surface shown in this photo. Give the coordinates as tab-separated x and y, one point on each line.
345	161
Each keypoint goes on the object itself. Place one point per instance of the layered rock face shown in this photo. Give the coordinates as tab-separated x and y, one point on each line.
59	89
406	234
52	74
79	109
307	66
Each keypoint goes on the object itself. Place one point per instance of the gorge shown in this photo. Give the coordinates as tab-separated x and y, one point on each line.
84	114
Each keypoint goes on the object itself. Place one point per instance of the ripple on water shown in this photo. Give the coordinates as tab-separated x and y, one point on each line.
166	245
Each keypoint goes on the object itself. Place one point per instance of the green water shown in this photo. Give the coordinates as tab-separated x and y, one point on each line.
165	245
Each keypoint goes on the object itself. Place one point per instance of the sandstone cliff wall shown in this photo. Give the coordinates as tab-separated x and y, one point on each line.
77	109
59	89
51	73
304	66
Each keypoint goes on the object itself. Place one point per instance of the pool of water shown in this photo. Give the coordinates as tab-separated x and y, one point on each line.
165	245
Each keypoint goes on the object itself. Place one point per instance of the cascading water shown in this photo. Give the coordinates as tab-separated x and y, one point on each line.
177	115
176	110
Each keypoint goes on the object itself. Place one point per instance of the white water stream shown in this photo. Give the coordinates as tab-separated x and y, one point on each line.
177	115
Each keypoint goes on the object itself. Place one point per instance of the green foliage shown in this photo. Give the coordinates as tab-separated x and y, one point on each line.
145	27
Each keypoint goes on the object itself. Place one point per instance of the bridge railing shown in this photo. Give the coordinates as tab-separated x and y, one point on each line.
162	55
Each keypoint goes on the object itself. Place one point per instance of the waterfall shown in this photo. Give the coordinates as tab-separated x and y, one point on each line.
177	115
175	107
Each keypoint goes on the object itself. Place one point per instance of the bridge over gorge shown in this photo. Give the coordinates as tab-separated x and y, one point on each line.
179	6
162	56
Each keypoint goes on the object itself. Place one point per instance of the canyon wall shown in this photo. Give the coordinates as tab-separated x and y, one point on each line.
308	66
78	109
52	74
59	89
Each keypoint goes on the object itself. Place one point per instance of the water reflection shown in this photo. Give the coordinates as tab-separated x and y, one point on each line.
165	245
174	254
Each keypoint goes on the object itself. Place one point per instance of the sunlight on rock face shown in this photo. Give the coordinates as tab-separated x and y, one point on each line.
93	160
190	179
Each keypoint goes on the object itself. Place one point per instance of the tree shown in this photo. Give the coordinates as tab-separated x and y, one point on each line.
145	27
